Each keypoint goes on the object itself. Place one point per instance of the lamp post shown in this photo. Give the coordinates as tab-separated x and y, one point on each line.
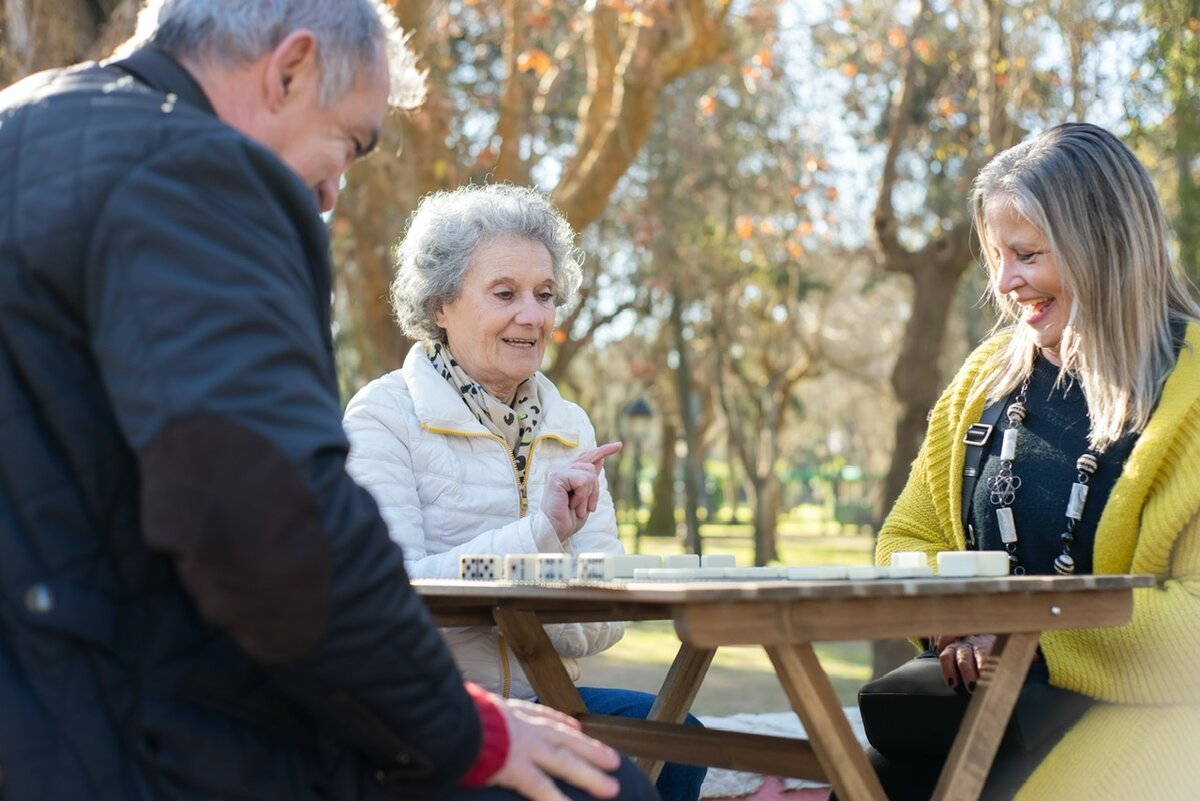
637	414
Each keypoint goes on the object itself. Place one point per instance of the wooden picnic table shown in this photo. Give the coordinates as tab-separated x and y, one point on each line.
786	618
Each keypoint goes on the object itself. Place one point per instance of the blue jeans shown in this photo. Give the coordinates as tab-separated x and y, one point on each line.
676	782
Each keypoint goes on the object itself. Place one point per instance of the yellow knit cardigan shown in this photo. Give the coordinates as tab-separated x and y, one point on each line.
1144	740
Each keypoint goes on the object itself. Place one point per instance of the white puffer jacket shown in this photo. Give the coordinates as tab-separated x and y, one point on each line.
447	486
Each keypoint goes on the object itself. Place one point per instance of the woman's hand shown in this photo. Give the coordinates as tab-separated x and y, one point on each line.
573	490
545	744
962	657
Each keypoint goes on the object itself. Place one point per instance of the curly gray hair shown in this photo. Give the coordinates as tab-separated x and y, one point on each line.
349	33
448	227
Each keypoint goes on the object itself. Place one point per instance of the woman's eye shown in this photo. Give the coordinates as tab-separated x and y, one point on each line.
1025	257
504	294
545	297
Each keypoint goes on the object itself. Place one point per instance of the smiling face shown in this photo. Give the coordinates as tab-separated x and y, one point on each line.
498	326
1026	272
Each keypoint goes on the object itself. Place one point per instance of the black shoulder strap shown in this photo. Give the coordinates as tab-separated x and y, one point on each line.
976	439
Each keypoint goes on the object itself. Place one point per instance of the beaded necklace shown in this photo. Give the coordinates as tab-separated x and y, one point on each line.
1002	491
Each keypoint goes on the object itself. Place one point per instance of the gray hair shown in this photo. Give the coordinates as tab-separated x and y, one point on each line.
448	227
349	33
1096	206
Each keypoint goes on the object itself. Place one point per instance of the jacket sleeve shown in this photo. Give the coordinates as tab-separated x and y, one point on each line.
1150	660
379	428
207	305
919	519
926	517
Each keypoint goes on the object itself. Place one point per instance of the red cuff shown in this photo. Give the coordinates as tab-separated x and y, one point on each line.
495	738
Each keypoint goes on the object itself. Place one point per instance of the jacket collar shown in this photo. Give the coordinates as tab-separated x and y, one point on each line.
438	407
155	68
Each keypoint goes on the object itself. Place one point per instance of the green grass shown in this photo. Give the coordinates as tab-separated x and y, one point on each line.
740	679
830	549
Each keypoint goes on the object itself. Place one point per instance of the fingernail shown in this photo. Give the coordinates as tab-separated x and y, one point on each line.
951	682
970	686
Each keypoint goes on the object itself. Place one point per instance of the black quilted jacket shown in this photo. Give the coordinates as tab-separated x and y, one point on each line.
195	600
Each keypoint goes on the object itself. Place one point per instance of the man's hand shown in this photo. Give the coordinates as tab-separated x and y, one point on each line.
544	745
573	490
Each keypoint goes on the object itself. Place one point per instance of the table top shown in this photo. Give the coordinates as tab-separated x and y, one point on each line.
662	592
748	612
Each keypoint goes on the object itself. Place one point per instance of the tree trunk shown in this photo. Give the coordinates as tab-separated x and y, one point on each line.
40	34
935	270
888	654
661	522
693	465
765	517
732	481
916	378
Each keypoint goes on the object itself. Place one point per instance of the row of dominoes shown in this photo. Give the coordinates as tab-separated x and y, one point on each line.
972	564
953	564
905	565
586	567
690	567
781	573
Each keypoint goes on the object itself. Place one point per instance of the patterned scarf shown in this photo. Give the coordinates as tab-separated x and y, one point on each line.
514	424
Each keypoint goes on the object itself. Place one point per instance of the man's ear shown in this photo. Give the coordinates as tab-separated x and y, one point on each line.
291	66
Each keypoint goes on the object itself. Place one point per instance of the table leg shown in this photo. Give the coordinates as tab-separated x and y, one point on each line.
982	729
678	692
807	687
542	664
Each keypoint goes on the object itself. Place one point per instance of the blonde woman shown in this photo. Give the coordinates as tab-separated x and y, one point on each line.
1095	368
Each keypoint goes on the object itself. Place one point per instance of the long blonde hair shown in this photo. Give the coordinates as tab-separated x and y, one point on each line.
1094	203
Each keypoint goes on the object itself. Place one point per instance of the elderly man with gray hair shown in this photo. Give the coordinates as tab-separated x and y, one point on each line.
196	601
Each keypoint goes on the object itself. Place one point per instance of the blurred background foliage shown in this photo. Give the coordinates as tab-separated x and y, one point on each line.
780	271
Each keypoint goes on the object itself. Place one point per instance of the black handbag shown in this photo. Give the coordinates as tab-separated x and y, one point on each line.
912	711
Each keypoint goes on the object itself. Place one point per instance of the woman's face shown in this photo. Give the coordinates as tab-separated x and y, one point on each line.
1026	271
498	326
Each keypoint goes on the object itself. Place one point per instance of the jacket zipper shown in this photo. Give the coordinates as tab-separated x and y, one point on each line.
522	505
505	670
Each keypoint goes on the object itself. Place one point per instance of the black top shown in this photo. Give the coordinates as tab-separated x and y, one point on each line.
1053	437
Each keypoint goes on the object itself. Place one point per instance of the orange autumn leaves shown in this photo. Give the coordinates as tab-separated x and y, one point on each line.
534	60
539	62
745	226
897	38
753	72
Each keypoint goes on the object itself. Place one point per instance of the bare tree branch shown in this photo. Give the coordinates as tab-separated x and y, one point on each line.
514	111
646	64
886	226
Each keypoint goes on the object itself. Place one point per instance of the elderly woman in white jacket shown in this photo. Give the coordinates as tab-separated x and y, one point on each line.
467	448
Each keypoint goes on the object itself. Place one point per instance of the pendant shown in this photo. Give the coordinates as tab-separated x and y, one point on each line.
1064	565
1008	528
1008	447
1078	499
